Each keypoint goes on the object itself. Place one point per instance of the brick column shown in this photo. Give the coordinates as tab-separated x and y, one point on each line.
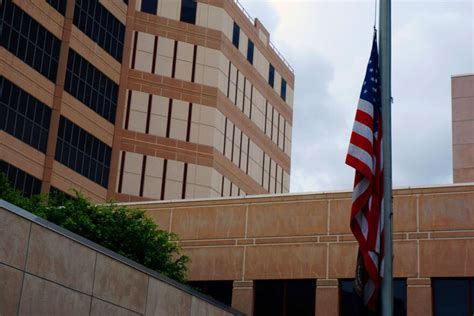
127	50
58	97
327	297
419	300
242	296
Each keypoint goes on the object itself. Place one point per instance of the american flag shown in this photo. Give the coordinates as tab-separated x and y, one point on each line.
365	156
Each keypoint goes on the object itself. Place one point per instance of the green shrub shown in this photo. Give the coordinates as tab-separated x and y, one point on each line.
126	231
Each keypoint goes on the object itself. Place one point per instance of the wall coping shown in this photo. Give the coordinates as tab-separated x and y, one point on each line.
286	197
463	75
107	252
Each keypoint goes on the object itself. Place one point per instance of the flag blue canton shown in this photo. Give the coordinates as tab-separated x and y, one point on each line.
371	88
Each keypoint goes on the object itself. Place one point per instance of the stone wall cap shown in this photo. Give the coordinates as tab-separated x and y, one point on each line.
302	196
462	75
107	252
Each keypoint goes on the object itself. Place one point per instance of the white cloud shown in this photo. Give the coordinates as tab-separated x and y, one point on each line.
328	44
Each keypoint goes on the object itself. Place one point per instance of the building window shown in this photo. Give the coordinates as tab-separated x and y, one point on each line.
101	26
23	116
20	180
219	290
453	297
188	11
25	38
82	152
236	35
285	297
149	6
90	86
250	52
349	301
283	89
58	5
271	76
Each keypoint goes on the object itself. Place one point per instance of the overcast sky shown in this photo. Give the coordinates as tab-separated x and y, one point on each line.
328	44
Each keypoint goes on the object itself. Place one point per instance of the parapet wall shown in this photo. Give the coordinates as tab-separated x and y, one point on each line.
307	236
47	270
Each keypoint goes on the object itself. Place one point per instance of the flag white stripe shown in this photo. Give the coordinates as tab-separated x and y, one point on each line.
369	289
361	154
360	188
375	259
364	131
366	107
362	221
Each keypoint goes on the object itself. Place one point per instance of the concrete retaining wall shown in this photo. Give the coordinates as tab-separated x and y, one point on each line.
47	270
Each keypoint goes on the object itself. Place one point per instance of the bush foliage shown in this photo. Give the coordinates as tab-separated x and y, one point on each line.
125	231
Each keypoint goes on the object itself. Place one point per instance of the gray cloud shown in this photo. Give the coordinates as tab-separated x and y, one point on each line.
432	40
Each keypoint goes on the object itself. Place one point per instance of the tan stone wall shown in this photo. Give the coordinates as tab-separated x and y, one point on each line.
307	236
463	127
48	271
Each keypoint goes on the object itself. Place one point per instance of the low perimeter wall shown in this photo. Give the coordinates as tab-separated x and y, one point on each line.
307	236
47	270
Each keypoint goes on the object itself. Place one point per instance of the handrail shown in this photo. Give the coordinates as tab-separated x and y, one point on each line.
272	46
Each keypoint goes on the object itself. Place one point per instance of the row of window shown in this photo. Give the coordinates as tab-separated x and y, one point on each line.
28	40
250	51
58	5
236	42
82	152
297	297
101	26
187	13
23	116
90	86
20	180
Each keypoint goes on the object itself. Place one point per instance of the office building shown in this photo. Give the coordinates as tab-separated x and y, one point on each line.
146	99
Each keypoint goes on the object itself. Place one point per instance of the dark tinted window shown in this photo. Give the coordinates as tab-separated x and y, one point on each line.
20	180
250	52
188	11
149	6
236	35
89	158
23	116
453	297
271	75
25	38
219	290
101	26
283	89
349	301
90	86
285	297
59	5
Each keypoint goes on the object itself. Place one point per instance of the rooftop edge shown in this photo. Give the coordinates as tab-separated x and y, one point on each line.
293	194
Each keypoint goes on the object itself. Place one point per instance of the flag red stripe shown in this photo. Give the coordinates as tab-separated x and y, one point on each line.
364	118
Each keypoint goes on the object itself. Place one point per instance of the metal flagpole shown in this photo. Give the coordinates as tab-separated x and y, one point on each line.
385	84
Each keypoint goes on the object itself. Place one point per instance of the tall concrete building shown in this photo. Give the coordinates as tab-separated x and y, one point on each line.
142	99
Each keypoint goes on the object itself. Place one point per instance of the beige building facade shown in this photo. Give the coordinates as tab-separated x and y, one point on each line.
143	100
251	241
